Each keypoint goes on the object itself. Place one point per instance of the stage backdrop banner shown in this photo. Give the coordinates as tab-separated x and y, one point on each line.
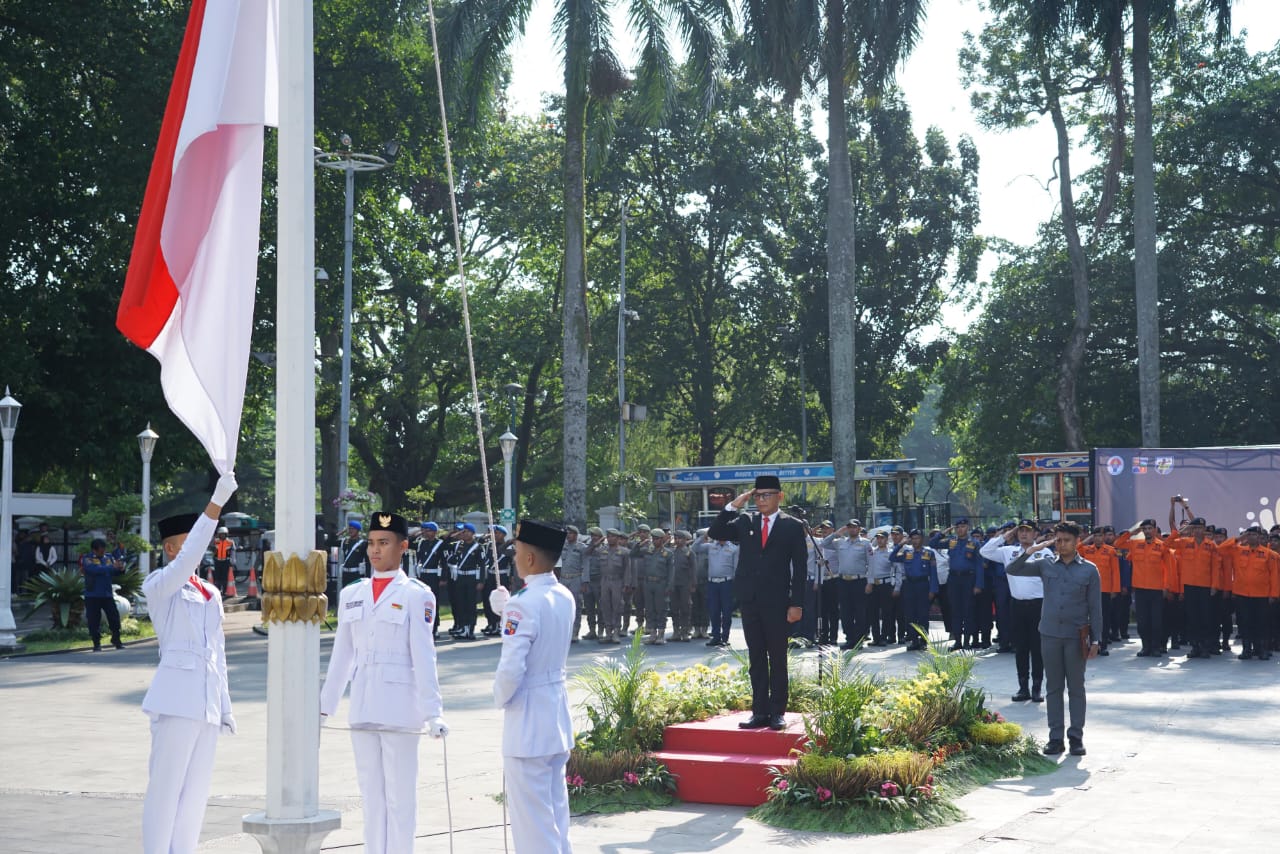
1230	487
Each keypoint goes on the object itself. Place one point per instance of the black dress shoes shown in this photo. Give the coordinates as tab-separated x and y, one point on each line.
778	723
1077	747
1054	748
755	722
1022	696
1036	696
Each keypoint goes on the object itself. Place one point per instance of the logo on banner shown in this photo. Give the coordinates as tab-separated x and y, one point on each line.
1140	464
1115	465
1164	465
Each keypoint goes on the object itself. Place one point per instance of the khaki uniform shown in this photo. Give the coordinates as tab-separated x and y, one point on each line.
573	563
615	578
653	571
683	579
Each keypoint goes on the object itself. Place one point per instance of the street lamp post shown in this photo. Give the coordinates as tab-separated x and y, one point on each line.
349	162
9	411
147	446
508	442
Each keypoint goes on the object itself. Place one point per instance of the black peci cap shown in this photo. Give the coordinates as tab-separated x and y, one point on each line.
547	536
173	526
393	522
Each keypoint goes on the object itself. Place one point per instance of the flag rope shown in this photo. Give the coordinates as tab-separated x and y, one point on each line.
471	357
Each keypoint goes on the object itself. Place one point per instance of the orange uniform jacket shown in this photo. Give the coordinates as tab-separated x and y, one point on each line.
1256	571
1153	564
1199	564
1104	557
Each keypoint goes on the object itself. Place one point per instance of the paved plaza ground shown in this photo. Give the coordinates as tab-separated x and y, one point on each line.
1182	757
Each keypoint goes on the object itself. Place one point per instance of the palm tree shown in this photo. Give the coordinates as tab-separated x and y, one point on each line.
480	33
851	45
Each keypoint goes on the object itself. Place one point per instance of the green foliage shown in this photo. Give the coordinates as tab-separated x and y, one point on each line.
837	719
63	591
130	628
849	778
598	767
995	734
615	694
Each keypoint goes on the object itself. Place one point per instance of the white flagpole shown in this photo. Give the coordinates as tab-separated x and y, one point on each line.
293	821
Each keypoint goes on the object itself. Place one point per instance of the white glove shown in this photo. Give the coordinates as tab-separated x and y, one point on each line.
228	725
225	489
498	599
437	728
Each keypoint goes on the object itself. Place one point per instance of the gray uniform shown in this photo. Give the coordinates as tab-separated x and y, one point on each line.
573	564
615	578
653	571
592	570
683	578
699	615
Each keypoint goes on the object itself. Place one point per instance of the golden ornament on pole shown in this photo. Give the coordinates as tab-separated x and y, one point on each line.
293	588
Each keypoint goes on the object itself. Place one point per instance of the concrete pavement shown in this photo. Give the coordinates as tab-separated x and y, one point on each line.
1180	758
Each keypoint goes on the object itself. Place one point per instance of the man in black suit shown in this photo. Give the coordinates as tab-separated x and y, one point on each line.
769	587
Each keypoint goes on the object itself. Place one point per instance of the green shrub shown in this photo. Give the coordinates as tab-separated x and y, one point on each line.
129	627
837	723
63	591
597	768
994	734
614	703
852	778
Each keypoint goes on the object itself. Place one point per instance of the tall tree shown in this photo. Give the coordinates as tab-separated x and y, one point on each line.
480	32
849	45
1104	21
1024	65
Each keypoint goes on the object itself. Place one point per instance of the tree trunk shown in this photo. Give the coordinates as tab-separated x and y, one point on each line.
574	365
1146	290
1072	357
841	272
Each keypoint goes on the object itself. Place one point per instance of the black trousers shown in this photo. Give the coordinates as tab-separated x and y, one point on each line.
432	580
984	613
1251	613
884	616
94	606
1226	606
807	627
1175	629
1197	609
1024	614
1150	607
766	629
464	601
853	608
830	611
960	601
1121	609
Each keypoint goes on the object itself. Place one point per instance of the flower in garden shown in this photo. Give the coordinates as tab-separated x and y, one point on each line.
929	779
576	781
630	779
824	794
782	785
889	789
925	791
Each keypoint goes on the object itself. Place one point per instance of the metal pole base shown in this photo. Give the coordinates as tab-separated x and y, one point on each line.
291	835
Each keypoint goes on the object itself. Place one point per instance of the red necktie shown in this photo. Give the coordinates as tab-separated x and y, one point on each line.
196	582
764	531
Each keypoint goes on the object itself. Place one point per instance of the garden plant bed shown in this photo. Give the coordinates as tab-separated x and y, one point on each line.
861	753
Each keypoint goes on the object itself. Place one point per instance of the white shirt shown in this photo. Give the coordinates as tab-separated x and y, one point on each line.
191	681
1020	586
385	650
529	686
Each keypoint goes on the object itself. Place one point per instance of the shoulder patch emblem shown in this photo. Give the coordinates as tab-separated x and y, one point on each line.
509	628
429	614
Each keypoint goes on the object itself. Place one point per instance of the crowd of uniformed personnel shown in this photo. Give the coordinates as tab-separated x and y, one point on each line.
1192	588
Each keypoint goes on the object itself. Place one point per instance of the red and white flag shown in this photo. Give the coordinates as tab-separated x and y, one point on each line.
188	295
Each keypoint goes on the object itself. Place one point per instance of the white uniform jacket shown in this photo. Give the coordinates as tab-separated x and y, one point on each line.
529	685
385	650
191	681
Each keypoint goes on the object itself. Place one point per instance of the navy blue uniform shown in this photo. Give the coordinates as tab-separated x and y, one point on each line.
965	564
919	583
99	597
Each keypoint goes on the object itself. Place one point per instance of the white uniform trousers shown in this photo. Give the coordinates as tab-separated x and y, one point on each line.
387	770
538	803
180	772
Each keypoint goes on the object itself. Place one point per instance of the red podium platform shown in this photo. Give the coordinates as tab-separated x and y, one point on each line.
714	762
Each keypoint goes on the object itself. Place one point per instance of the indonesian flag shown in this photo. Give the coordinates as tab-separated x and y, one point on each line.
188	295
